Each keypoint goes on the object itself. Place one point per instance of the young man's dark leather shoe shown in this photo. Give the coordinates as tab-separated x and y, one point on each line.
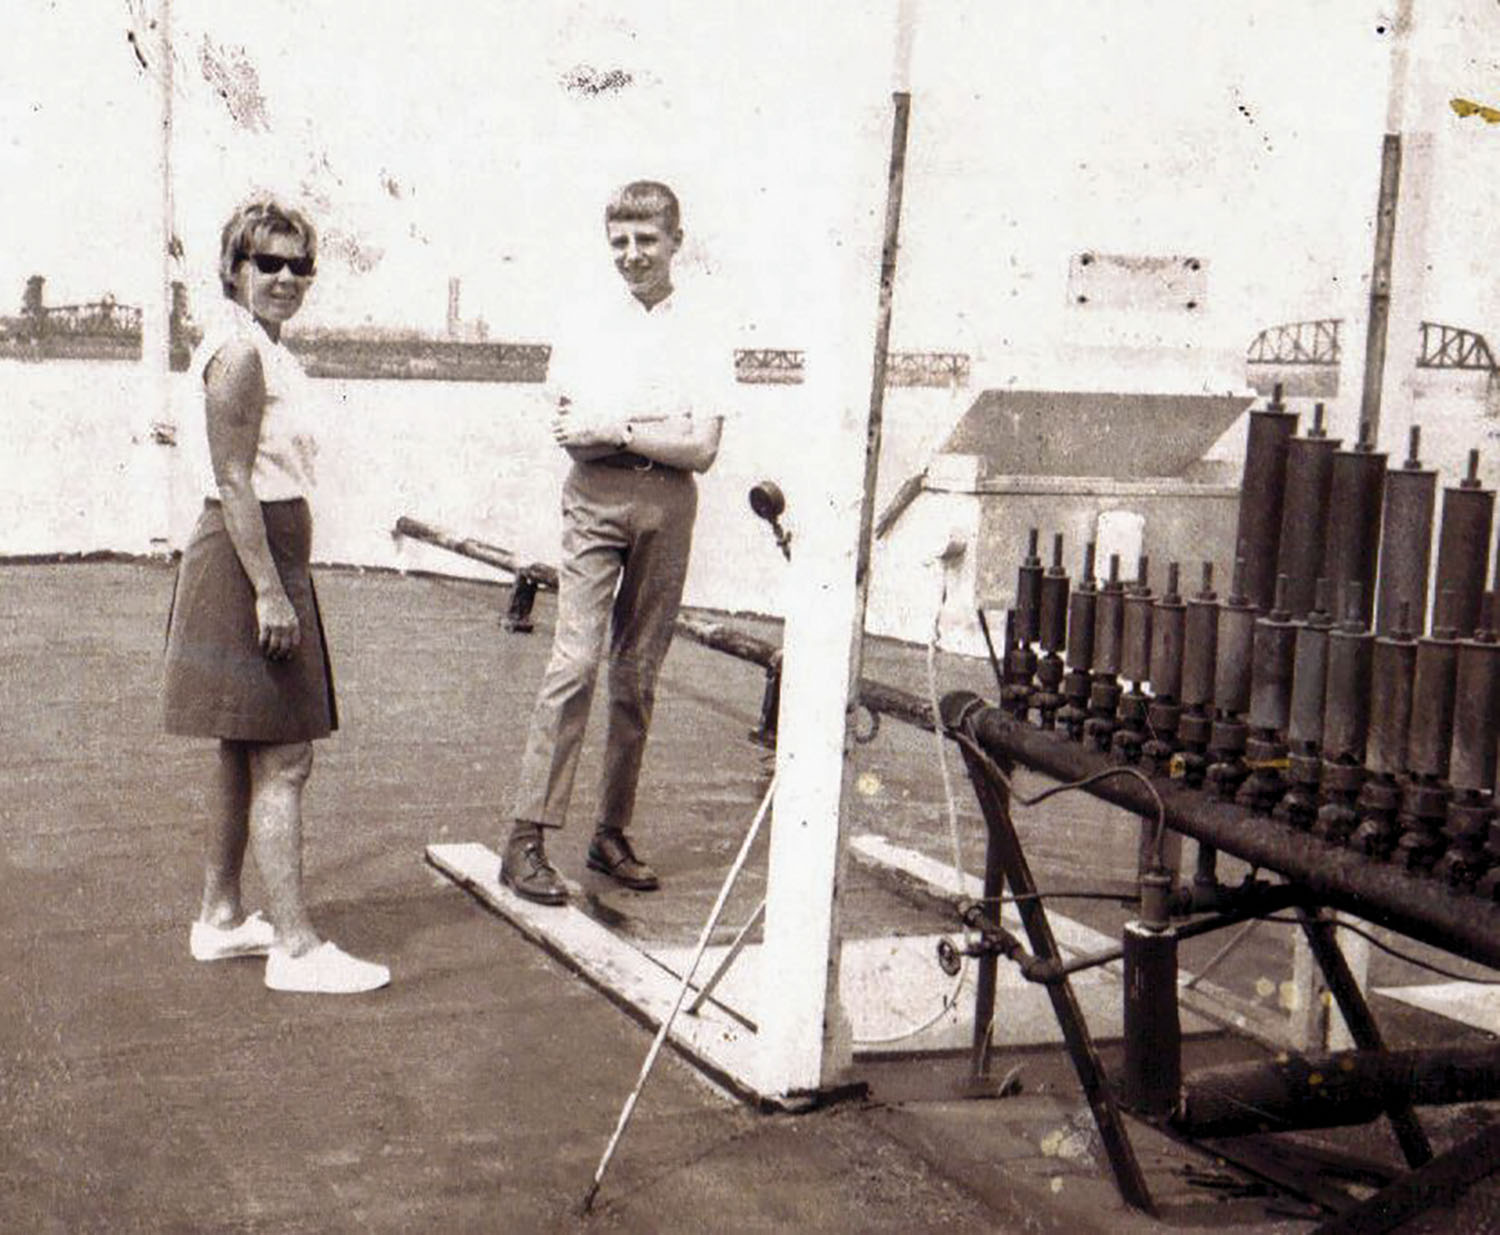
610	852
525	871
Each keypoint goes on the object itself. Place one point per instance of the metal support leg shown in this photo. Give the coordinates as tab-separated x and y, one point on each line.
994	802
522	597
984	995
770	706
1362	1026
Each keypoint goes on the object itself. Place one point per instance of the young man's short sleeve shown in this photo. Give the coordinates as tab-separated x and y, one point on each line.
715	389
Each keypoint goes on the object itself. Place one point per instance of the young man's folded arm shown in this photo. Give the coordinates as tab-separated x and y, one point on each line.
689	442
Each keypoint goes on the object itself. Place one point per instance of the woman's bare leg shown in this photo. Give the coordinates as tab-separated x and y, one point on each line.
228	833
277	775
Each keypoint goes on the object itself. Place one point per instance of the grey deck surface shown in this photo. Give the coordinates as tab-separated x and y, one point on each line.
140	1091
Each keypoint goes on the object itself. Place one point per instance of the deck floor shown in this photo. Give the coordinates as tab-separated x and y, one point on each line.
141	1091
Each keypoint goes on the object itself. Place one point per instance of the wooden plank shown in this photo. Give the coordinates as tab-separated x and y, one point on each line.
716	1040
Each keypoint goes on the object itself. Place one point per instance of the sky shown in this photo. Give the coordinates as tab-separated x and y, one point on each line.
480	139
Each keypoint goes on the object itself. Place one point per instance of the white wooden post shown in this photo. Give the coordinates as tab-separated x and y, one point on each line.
805	1040
156	310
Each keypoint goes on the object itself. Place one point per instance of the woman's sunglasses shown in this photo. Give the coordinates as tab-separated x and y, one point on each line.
271	263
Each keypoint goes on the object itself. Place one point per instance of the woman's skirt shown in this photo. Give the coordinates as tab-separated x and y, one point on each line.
219	684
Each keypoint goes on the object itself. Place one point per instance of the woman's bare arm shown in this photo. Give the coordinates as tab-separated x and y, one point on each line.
235	398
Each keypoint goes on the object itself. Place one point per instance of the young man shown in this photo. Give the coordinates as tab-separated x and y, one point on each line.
640	401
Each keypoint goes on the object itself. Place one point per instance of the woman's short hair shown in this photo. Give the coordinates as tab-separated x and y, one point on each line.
263	216
641	200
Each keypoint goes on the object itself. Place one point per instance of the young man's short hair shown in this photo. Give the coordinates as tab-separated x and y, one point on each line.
641	200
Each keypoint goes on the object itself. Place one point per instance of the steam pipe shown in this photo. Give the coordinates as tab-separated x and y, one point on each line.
1333	874
1332	1090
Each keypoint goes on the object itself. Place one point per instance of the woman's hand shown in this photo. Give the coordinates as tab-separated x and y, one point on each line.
276	624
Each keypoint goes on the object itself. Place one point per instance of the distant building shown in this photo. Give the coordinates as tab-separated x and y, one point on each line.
459	330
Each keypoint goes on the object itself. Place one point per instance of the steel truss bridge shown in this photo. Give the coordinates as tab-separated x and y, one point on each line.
774	365
1317	343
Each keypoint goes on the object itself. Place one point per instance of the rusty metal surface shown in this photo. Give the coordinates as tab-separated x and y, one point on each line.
1309	480
1235	646
1406	549
1475	713
1393	664
1430	738
1463	557
1258	534
1353	537
1309	680
1271	667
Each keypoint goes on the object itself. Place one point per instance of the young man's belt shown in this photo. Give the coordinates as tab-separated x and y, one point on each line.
628	459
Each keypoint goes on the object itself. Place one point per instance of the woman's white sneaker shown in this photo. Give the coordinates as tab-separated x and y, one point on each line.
252	937
325	970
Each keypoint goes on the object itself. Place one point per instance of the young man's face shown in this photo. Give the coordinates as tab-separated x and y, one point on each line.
643	250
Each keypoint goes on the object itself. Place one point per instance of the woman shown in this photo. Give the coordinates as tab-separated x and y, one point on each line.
246	660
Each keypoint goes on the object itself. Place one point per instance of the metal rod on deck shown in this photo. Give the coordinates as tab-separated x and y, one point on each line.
464	546
735	948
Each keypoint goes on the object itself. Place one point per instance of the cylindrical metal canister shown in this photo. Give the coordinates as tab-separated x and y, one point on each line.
1029	593
1463	553
1392	666
1135	637
1200	645
1151	1079
1304	512
1476	711
1352	546
1081	614
1309	676
1346	699
1262	493
1081	605
1109	621
1272	651
1168	631
1406	543
1236	639
1430	738
1054	601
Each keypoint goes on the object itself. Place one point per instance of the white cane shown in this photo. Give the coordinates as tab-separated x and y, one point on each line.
682	989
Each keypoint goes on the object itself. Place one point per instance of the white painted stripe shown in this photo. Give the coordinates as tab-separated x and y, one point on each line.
1469	1003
